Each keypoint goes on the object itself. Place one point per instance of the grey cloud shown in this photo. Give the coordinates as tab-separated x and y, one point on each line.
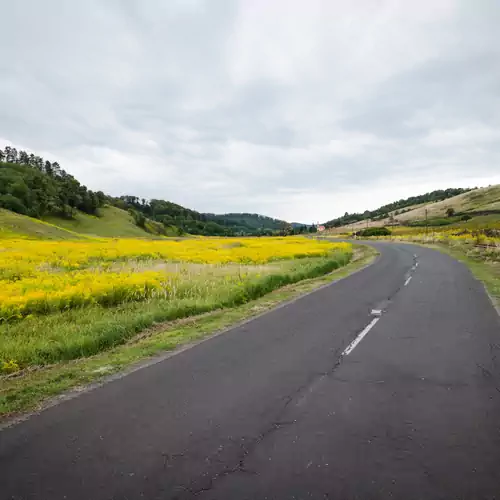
453	91
241	105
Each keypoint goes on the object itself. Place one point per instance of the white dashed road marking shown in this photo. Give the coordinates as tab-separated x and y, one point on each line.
377	313
360	337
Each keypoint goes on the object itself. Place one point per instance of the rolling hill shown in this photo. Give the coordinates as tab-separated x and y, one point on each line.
475	202
396	207
112	222
42	191
14	225
245	223
476	208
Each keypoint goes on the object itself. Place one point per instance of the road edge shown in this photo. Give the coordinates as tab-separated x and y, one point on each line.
456	255
8	421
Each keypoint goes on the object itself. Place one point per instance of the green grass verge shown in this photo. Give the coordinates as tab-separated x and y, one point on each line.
14	225
112	223
153	331
85	331
491	221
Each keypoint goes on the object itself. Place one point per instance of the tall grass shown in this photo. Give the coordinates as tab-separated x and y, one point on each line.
40	277
82	332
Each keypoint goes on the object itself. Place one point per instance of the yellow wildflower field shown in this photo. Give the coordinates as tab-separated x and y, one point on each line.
38	277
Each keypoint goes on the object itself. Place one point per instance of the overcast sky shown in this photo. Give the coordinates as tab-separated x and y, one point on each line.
297	109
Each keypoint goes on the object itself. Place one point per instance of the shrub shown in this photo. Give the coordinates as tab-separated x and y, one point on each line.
12	203
431	222
491	232
374	231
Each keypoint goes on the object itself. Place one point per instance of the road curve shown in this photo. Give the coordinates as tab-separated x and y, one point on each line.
276	409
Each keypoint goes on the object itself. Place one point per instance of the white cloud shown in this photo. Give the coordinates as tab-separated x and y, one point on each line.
296	110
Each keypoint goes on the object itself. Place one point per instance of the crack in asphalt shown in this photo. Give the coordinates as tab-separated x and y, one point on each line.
277	423
260	413
275	426
240	465
383	306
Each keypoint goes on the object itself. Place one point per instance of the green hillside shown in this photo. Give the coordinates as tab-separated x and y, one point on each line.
170	215
473	209
36	188
14	225
112	222
32	186
245	223
395	208
475	202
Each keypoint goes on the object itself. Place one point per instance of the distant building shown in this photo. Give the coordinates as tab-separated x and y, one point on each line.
321	228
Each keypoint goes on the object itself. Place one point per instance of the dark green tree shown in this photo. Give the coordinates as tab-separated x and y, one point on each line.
24	158
8	154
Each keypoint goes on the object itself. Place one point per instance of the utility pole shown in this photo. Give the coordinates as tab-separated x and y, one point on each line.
426	223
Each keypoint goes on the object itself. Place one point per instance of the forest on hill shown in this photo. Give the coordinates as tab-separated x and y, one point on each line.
246	221
30	185
396	207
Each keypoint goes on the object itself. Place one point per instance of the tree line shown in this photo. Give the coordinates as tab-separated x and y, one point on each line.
170	214
193	222
32	186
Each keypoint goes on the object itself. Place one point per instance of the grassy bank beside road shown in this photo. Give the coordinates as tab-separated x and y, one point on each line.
66	300
84	331
149	330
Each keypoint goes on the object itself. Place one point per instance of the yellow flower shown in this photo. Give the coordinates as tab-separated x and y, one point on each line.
9	367
44	276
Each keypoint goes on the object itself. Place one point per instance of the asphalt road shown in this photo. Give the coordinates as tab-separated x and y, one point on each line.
274	410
